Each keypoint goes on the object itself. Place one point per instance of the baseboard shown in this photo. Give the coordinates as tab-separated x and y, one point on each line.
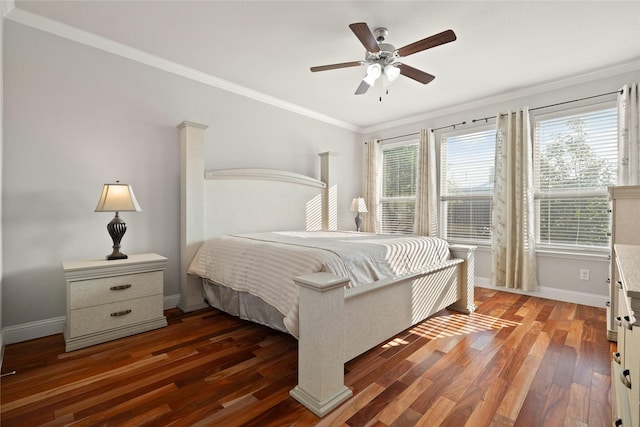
32	330
171	301
43	328
564	295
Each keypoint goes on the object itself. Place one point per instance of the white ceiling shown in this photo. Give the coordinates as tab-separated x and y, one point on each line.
267	47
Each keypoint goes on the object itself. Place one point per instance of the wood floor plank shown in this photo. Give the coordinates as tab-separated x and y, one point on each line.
579	398
515	394
517	361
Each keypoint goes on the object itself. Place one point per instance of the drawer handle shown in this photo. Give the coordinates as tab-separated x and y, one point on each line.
617	423
619	320
120	287
625	377
616	357
120	313
627	323
619	284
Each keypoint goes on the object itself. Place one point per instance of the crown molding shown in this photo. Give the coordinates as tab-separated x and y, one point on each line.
515	94
6	6
102	43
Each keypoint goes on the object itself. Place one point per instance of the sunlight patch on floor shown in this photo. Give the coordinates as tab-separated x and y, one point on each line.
453	325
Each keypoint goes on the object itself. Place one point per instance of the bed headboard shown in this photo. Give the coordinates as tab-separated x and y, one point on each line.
227	201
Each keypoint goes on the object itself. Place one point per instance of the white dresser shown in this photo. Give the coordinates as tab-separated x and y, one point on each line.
625	230
625	372
113	299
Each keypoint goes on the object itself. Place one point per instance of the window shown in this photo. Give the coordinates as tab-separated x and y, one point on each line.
398	188
575	160
466	185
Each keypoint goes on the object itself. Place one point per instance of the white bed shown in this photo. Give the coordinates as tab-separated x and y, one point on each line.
237	263
340	312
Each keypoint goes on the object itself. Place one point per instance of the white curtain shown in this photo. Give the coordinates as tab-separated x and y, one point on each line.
371	184
629	136
513	242
426	211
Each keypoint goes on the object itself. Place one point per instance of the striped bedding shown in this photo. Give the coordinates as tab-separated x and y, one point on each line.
264	264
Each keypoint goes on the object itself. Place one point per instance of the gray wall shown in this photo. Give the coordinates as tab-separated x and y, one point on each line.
77	117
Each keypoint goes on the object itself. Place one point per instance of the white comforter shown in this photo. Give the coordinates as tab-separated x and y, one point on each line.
264	264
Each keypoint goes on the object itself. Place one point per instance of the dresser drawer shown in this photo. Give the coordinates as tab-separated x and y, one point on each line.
86	293
632	369
100	318
623	409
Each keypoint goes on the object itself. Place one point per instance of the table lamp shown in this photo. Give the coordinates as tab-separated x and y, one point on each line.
117	198
358	205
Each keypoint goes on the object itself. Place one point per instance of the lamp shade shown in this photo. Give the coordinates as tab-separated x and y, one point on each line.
358	205
117	198
373	72
392	72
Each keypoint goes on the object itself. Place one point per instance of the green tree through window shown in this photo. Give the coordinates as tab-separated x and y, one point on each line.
576	162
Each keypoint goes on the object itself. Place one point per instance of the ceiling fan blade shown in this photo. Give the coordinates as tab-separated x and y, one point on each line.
364	34
433	41
415	74
335	66
363	88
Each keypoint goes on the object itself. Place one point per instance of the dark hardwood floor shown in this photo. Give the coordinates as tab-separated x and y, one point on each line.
517	361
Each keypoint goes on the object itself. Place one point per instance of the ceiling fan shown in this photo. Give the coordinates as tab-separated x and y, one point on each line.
382	58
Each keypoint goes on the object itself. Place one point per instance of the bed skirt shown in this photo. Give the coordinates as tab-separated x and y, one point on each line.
243	305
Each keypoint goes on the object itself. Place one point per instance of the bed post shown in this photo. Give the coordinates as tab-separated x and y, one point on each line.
329	175
466	278
191	211
321	346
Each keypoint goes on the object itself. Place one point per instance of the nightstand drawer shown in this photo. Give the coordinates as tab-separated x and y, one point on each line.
87	293
100	318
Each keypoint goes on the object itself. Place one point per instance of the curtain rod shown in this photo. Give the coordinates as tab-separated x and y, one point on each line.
399	136
555	105
450	126
493	117
418	133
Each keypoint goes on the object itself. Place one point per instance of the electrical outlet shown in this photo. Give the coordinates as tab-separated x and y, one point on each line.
584	274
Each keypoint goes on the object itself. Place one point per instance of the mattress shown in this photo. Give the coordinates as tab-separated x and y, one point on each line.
264	265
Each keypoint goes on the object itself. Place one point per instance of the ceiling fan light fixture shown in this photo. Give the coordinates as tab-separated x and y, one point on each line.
392	72
373	72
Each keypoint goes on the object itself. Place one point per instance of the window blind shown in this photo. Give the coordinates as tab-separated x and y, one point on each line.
398	189
466	185
576	159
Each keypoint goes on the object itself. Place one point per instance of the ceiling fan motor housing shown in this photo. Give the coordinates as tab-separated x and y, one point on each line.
387	54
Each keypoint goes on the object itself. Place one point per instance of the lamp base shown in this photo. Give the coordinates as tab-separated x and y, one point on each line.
117	255
116	229
358	222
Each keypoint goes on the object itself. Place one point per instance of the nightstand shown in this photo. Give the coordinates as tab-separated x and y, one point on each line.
107	300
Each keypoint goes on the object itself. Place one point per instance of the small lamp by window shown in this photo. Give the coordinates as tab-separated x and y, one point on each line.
117	198
358	205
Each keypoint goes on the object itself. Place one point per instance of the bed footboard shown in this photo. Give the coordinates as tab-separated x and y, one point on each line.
320	364
335	322
466	282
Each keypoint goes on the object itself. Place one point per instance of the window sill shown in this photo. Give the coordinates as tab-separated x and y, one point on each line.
573	254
